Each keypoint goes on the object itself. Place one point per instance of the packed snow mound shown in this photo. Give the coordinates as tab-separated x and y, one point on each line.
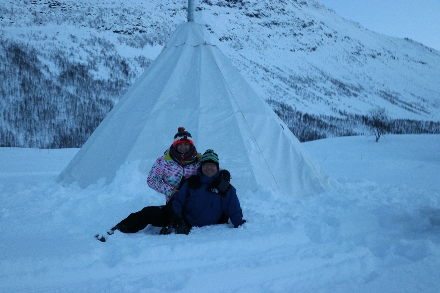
377	231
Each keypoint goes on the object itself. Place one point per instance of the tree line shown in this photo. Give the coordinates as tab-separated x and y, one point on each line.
60	106
308	127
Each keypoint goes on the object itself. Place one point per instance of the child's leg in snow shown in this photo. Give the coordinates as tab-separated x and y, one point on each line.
154	215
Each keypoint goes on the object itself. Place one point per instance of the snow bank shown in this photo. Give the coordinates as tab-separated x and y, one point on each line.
371	233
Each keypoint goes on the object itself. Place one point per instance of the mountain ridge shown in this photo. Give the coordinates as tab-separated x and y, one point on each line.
296	55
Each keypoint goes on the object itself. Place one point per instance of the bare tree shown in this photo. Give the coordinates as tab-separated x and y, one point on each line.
379	121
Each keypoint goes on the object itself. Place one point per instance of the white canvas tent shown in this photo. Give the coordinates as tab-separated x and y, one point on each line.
192	84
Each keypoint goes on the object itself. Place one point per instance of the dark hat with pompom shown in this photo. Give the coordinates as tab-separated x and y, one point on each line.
182	136
209	157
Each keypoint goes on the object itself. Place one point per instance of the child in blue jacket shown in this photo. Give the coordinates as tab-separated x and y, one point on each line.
204	199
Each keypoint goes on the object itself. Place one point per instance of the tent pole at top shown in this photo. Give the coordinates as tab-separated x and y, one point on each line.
190	10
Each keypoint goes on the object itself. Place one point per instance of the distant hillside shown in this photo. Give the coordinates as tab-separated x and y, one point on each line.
65	63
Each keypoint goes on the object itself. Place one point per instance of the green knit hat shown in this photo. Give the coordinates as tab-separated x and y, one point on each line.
209	157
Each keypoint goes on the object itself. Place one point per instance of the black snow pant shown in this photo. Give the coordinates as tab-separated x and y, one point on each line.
158	216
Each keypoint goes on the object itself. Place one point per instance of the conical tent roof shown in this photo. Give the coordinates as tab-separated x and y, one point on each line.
192	84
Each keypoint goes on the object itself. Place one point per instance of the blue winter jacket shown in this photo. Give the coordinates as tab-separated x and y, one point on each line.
201	207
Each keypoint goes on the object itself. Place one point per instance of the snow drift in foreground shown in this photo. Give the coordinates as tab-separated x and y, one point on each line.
377	230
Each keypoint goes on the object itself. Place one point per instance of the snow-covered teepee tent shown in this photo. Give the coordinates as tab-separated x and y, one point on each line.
192	84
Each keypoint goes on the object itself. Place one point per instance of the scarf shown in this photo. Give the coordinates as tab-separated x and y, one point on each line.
183	159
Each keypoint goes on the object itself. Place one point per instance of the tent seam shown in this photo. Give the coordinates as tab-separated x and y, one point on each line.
247	124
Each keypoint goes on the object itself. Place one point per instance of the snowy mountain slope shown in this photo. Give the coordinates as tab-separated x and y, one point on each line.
295	54
325	64
378	230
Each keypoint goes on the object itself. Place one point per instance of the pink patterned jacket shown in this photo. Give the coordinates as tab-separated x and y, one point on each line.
166	174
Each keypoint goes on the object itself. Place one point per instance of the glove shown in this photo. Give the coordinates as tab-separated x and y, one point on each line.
225	174
236	226
166	230
223	184
180	227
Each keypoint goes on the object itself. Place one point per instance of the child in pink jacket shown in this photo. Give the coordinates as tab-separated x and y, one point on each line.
178	163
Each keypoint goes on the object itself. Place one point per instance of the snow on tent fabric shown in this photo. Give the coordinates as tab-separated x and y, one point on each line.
192	83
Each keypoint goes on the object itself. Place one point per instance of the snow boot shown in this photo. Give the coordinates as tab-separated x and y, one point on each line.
110	232
100	237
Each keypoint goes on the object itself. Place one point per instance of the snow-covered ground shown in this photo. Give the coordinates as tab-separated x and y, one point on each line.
377	230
